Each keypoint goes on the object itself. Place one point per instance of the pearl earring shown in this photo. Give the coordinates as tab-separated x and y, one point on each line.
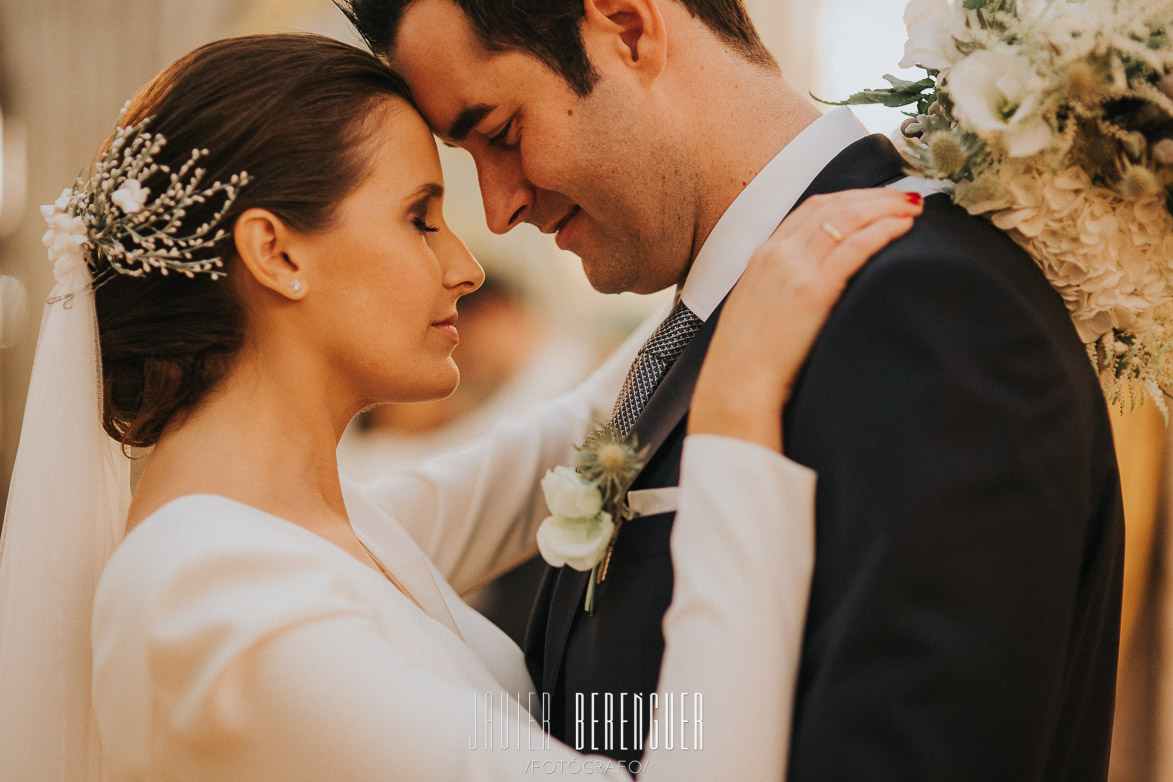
296	286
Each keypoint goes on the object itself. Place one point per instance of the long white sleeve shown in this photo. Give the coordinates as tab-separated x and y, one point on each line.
242	648
743	554
475	510
743	548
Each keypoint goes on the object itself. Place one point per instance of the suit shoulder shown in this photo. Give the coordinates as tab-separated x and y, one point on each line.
954	262
947	236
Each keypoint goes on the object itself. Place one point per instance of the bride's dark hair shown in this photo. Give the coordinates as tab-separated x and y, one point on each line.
292	111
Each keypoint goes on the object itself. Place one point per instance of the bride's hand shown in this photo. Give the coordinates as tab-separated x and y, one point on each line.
776	310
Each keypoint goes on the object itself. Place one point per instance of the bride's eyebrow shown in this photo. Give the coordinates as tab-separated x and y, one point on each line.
425	192
468	118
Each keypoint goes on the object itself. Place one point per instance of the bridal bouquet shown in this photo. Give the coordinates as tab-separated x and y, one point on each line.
1054	120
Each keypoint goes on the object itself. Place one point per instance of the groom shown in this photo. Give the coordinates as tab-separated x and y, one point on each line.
965	605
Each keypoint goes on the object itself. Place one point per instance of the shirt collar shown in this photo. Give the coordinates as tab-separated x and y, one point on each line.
760	207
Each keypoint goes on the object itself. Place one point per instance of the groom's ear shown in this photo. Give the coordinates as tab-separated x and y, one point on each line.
632	31
263	245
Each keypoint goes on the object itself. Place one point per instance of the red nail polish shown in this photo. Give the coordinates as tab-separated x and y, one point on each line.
916	199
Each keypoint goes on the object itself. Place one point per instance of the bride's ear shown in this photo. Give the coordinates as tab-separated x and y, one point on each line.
263	244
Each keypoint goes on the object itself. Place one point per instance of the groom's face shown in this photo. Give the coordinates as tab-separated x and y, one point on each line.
594	171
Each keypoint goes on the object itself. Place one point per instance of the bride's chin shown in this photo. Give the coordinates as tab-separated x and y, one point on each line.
422	390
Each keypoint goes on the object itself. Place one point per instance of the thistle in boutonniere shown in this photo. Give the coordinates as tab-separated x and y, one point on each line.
589	504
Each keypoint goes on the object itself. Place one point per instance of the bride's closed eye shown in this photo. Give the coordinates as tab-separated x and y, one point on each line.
421	224
419	215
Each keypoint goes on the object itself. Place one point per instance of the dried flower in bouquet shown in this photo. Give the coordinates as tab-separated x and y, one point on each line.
1054	120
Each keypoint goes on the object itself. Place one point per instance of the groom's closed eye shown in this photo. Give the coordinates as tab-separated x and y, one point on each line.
501	137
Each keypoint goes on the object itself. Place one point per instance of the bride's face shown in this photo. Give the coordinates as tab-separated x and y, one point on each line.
387	274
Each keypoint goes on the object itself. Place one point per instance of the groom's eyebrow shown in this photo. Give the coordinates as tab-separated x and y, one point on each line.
468	119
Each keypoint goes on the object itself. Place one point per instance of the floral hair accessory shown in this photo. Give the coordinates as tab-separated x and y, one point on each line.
113	211
1053	119
589	504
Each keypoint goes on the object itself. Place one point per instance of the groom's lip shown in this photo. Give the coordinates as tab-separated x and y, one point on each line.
561	239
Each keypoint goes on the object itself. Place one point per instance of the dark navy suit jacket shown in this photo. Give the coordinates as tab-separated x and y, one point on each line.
965	607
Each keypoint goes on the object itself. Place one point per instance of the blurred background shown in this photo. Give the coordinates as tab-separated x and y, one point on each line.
66	66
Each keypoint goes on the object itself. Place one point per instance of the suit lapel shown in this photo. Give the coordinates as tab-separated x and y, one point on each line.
565	605
869	162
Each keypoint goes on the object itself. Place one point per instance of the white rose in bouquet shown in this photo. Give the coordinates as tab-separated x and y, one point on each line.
934	26
999	94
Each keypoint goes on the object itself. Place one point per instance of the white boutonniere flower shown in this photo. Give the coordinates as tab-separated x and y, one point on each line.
578	533
569	495
579	543
589	504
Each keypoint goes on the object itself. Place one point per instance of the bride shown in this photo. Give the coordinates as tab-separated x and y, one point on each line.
262	249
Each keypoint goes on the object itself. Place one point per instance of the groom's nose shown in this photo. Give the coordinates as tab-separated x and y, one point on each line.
507	194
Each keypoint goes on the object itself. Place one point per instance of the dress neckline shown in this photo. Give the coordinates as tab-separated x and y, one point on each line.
411	569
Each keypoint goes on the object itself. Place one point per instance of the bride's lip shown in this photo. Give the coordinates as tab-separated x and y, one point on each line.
562	237
447	327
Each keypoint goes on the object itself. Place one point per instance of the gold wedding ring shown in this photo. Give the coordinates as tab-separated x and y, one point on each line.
832	231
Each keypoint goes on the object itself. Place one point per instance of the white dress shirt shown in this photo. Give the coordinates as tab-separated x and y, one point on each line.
757	211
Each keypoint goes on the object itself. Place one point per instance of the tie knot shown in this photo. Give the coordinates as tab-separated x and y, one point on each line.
672	336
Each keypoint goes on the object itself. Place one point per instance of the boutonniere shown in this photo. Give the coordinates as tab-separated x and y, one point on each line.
589	504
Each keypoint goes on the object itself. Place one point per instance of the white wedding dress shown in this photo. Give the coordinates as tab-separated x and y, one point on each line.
230	644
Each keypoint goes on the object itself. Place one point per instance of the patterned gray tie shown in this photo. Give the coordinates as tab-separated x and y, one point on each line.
655	358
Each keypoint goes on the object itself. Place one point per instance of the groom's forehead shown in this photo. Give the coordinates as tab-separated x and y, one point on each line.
438	53
452	97
455	80
439	30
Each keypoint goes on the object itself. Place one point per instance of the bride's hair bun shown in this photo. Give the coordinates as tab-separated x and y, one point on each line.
291	110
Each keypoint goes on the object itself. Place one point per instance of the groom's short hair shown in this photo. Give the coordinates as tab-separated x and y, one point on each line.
548	30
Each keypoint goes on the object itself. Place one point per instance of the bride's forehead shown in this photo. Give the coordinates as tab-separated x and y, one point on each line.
402	149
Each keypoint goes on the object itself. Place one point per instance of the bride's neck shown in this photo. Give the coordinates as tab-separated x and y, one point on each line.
267	436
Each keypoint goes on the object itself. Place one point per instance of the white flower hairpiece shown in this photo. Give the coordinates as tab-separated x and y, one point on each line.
113	211
131	197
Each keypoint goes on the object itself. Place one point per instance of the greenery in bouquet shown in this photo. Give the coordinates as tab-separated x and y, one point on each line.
1054	120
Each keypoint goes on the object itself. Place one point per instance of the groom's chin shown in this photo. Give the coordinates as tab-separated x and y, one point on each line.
616	278
611	275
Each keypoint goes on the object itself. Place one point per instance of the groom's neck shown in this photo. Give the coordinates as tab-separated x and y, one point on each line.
751	115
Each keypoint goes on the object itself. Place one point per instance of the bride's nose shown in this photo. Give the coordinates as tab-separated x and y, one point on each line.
461	270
